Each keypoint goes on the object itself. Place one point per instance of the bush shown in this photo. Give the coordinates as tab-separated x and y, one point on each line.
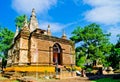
117	71
89	70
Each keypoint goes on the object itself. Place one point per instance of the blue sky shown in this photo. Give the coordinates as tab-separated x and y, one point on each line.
64	14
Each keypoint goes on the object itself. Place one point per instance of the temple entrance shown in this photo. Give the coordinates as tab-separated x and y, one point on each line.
57	54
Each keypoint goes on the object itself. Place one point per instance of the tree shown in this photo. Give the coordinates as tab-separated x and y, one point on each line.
118	42
93	46
20	20
6	37
114	58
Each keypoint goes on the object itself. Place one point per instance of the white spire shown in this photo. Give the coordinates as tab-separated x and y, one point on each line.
33	12
25	22
64	35
33	21
48	31
16	33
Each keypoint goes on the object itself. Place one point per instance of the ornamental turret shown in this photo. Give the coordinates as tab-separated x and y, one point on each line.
33	25
48	31
64	35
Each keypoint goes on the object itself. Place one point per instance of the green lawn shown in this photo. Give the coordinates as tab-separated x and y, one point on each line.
106	80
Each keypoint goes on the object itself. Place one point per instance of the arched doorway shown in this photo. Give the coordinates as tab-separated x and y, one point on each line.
57	54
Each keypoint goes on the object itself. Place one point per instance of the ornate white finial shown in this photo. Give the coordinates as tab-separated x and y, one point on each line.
16	33
33	12
64	35
48	31
25	22
33	25
48	26
17	29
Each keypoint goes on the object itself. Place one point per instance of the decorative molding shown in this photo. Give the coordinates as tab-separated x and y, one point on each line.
51	38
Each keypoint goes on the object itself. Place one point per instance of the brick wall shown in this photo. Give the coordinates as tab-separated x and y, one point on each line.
45	51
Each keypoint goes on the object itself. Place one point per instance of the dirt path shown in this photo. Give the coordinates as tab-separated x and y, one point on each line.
78	79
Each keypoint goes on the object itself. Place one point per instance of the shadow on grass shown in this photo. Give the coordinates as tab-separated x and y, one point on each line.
106	80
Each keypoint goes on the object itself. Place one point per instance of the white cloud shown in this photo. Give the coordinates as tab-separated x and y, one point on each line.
25	6
102	2
54	26
103	11
114	32
108	15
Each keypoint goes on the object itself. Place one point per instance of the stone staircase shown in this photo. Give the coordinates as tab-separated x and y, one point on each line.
65	73
12	75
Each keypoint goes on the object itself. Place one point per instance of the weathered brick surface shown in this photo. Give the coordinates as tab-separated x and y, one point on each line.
23	56
45	53
23	43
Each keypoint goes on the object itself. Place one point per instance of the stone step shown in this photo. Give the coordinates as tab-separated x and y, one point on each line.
11	75
8	76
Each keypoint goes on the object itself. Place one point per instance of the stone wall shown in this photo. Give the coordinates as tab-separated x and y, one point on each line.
23	51
41	51
13	53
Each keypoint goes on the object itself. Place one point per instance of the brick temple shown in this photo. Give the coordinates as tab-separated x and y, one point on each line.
35	46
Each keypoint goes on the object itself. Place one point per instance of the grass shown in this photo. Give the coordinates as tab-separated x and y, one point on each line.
14	81
107	80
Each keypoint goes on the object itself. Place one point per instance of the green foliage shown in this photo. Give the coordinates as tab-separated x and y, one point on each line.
20	20
117	71
93	45
80	61
6	37
89	69
114	58
118	42
106	80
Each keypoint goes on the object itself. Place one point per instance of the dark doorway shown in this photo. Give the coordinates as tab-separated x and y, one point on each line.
57	54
